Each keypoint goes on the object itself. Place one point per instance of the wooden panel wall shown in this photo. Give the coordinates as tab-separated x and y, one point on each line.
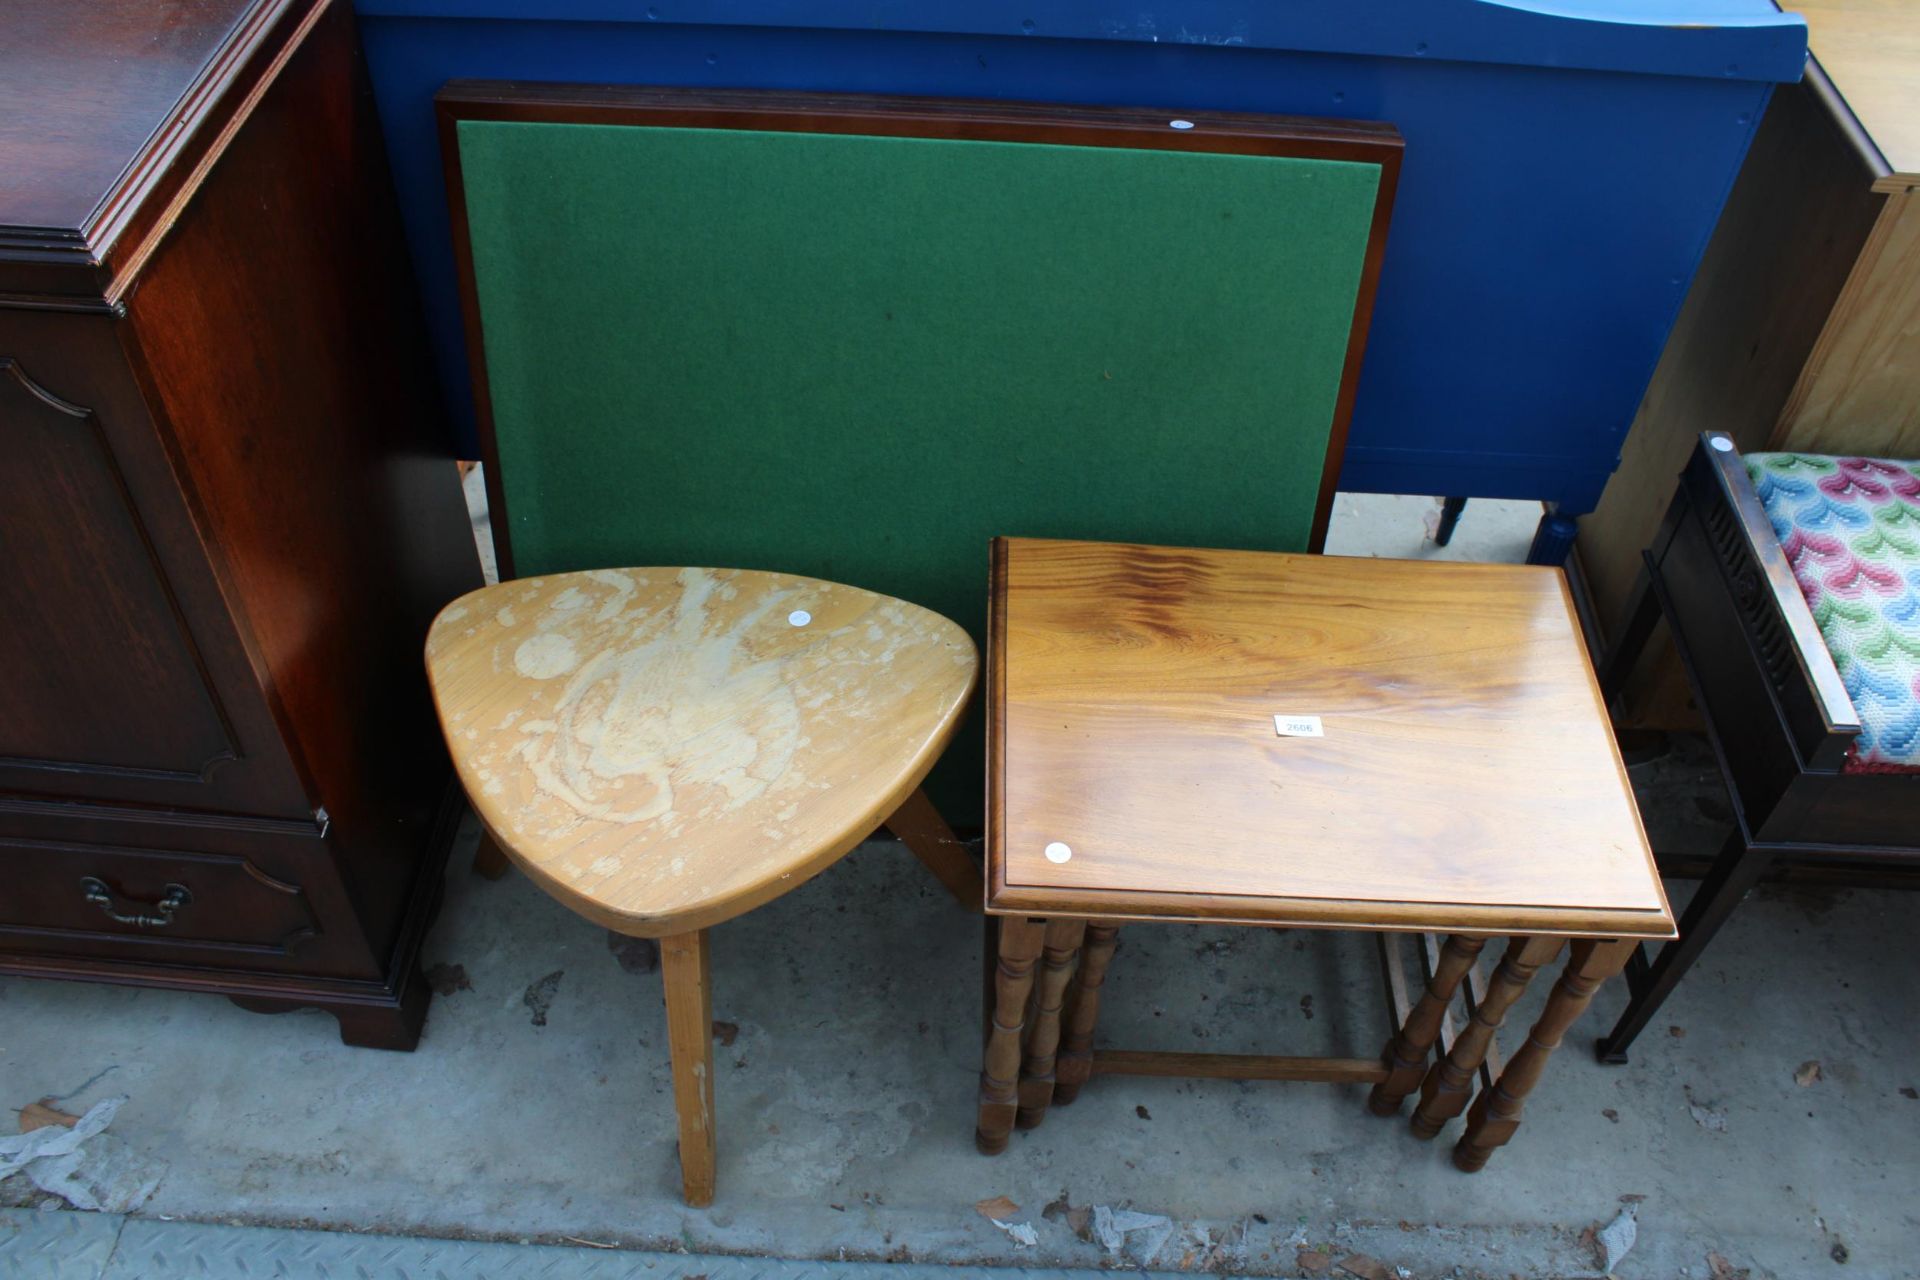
1860	390
1794	226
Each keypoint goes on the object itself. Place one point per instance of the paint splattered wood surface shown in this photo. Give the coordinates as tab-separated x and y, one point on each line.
665	748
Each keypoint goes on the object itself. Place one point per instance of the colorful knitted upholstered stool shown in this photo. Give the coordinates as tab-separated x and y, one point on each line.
1791	585
1850	528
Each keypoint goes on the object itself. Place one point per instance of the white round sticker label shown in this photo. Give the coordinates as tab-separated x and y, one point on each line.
1057	852
799	618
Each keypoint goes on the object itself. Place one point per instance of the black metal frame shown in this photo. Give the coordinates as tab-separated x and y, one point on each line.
1776	712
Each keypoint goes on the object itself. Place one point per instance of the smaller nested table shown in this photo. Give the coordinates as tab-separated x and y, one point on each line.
1301	741
664	749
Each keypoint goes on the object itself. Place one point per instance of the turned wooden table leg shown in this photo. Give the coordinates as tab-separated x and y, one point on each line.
1075	1065
1059	950
1443	1094
488	860
1496	1112
929	838
1019	947
1407	1053
989	972
685	972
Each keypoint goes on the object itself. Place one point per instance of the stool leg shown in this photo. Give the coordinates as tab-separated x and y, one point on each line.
685	972
1450	509
1443	1094
1075	1066
1643	610
1496	1112
1407	1053
1019	947
488	861
1059	950
929	838
1735	871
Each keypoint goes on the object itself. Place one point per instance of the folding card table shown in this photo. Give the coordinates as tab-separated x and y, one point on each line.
708	325
1309	742
1565	166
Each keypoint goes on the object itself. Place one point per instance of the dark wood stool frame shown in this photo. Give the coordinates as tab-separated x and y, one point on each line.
1776	713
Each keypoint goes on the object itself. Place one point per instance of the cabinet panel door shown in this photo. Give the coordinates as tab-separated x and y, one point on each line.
104	674
123	676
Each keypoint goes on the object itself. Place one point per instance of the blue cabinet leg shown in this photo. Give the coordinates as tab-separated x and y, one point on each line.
1553	540
1450	509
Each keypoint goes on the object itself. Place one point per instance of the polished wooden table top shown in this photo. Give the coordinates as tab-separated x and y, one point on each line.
663	749
1464	777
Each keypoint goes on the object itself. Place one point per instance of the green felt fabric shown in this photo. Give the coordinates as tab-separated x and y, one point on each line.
860	358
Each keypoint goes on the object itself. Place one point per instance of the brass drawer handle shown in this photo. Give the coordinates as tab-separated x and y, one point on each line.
99	895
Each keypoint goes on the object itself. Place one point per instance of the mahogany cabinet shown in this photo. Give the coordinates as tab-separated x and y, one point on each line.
226	516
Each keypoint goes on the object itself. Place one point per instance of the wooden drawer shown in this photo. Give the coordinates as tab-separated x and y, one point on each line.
227	895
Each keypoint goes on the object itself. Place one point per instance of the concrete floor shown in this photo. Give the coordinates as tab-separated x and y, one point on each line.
845	1096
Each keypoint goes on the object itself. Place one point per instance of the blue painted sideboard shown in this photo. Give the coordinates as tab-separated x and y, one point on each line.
1565	165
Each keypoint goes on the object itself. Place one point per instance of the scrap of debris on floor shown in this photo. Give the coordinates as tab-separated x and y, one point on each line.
76	1159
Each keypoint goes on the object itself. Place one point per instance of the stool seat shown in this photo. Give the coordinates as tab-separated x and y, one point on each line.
1850	527
662	749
